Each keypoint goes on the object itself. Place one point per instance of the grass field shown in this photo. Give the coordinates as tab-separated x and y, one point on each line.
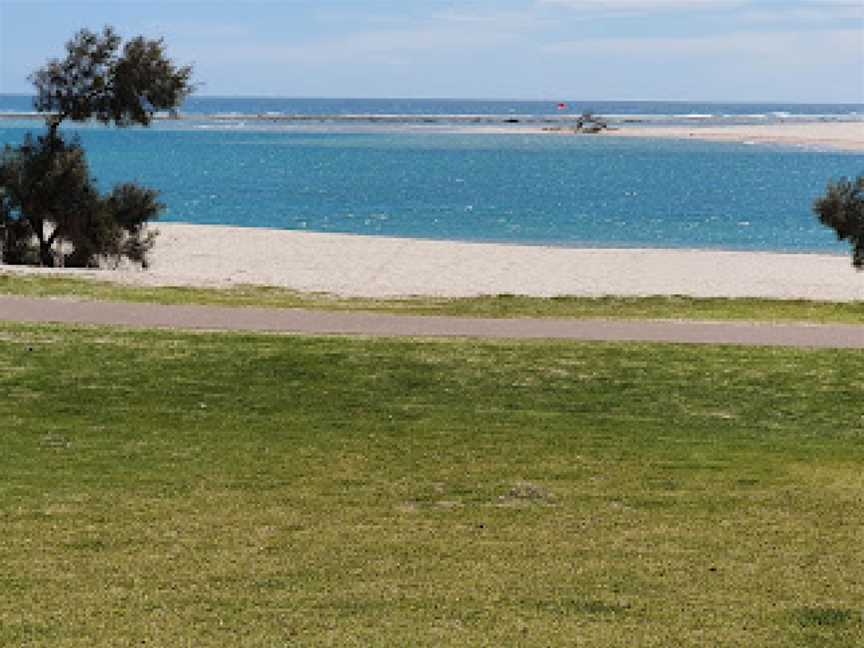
659	307
176	489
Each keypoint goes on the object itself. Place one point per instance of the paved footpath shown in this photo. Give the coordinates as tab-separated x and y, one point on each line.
315	322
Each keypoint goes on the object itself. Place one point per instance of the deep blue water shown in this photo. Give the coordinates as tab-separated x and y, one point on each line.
651	111
516	188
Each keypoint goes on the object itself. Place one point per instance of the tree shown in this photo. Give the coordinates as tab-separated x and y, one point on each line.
50	209
842	209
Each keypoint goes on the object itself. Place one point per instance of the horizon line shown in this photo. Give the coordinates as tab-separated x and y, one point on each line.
502	100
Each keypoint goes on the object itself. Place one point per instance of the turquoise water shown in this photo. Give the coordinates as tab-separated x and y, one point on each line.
560	190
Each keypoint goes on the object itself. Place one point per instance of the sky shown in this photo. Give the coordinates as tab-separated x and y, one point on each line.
687	50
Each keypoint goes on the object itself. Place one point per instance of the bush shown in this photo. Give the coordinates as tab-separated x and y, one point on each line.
52	213
842	209
50	210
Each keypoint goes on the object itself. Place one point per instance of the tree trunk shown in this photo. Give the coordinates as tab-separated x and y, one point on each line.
46	254
53	125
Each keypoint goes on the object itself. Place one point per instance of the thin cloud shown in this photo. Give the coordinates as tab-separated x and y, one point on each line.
834	8
644	6
784	46
741	66
379	46
527	16
812	14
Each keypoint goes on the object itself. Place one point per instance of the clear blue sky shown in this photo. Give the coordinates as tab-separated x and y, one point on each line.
698	50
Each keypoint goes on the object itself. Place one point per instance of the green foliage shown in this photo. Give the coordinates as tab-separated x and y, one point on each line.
96	81
131	207
842	209
53	214
15	233
50	210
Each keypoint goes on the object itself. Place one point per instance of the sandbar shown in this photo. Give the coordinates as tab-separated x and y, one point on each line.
384	267
825	136
843	136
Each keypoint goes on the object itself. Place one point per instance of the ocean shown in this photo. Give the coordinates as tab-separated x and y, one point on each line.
438	110
422	173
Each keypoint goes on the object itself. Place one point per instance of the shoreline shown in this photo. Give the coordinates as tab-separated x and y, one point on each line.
350	265
832	135
842	136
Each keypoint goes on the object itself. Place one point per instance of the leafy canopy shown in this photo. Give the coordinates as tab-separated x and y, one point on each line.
842	209
51	211
98	81
48	194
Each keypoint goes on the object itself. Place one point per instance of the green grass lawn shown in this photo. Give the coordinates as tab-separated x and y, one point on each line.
659	307
178	489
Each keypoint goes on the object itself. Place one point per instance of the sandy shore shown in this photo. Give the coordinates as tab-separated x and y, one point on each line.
840	136
846	136
200	255
832	135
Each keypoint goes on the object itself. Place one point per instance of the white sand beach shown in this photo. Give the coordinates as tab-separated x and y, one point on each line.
839	136
845	136
203	255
